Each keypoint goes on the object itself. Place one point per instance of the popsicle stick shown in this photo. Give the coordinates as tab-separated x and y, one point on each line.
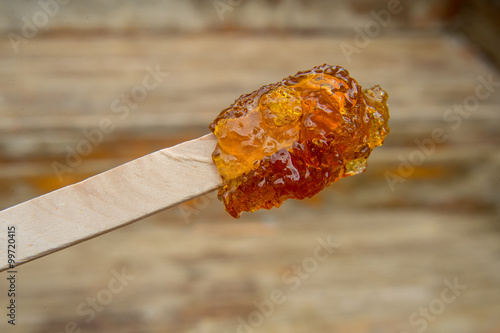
110	200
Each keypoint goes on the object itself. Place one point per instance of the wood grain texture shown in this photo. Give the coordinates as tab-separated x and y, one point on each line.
198	270
111	199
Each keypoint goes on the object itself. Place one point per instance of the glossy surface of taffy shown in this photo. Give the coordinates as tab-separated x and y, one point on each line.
291	139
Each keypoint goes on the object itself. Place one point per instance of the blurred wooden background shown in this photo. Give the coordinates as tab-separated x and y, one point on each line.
423	216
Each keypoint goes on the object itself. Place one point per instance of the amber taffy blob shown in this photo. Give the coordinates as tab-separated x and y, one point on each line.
291	139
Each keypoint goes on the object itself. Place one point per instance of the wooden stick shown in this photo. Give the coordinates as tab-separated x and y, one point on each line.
110	200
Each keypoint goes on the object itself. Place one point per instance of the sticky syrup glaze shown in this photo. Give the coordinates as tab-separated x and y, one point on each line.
291	139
